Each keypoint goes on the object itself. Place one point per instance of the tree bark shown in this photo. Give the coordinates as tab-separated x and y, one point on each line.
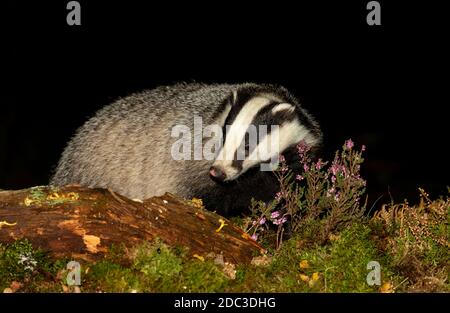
79	222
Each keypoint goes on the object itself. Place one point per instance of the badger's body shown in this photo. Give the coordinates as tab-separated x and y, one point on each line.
127	146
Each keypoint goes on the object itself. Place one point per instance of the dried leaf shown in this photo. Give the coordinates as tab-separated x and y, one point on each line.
261	260
15	285
199	257
222	225
229	270
304	264
198	203
387	288
304	277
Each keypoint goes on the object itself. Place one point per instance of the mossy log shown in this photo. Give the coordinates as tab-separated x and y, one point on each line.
78	222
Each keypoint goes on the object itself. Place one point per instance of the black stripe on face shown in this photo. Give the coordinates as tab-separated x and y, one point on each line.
267	118
221	108
237	164
245	144
279	118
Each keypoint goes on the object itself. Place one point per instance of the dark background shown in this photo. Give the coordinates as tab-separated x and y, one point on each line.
383	86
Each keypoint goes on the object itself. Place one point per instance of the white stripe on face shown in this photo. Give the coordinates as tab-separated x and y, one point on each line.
236	133
287	135
283	107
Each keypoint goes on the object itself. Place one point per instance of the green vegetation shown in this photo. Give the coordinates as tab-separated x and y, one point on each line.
316	234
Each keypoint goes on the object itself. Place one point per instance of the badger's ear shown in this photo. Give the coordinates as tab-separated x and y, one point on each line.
284	107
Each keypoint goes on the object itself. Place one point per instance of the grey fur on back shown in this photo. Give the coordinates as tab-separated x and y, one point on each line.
126	146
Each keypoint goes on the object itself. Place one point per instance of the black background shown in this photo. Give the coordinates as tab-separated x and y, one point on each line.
383	86
165	302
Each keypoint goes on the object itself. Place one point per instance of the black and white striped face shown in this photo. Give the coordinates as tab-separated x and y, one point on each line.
257	130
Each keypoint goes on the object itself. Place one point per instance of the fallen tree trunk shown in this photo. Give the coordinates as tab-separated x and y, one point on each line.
79	222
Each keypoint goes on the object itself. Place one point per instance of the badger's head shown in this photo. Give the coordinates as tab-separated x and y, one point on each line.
260	123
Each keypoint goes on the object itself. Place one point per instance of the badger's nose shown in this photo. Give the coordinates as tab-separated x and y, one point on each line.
217	173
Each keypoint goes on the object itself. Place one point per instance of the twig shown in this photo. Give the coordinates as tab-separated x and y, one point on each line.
115	196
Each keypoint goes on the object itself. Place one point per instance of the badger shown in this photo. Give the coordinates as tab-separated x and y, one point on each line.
130	146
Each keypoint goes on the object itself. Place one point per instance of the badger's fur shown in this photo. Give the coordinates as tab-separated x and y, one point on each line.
127	145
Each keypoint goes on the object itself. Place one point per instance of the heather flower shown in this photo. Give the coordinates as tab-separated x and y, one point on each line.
349	144
330	191
345	171
336	187
280	221
302	148
278	196
363	148
282	158
255	237
275	214
336	196
335	168
319	164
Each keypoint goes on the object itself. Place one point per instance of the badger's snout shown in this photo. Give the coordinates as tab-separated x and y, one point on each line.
217	174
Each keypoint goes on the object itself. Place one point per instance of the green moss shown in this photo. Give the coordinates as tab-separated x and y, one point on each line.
20	261
339	264
345	268
51	195
110	277
37	194
200	276
157	261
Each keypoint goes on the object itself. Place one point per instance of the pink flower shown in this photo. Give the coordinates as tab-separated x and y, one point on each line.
302	147
319	164
335	168
255	237
333	179
262	221
299	177
345	171
275	214
282	159
330	191
336	196
363	148
349	144
278	196
280	221
305	167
